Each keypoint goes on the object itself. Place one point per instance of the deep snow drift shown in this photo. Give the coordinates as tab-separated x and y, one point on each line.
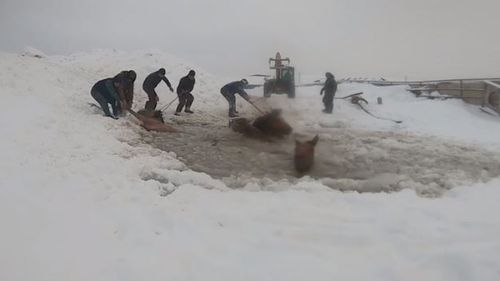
89	198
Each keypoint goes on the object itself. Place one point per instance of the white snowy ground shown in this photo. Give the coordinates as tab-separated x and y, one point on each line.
78	202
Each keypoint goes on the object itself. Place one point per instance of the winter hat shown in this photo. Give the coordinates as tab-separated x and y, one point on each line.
132	75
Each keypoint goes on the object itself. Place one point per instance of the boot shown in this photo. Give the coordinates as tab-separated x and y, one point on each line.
188	110
111	116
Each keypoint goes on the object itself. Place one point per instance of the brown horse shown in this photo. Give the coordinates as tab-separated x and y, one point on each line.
304	155
156	114
243	126
272	124
153	123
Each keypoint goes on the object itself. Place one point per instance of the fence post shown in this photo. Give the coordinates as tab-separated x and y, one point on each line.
462	89
485	96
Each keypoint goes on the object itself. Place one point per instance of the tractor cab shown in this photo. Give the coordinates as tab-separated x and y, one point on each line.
284	80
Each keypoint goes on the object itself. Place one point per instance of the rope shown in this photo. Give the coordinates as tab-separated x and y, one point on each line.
258	109
381	118
348	96
169	104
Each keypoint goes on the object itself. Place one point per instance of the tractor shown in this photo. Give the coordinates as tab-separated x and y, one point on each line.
284	81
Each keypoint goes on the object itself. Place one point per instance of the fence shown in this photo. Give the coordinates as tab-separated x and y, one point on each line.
480	91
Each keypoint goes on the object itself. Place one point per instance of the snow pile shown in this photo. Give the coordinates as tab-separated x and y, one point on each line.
32	52
83	197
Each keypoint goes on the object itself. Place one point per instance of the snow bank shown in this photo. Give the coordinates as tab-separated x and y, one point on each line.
84	198
32	52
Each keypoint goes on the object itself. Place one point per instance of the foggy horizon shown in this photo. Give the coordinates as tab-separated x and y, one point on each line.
386	38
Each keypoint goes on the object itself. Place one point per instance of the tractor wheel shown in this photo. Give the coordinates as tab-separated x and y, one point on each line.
266	91
291	92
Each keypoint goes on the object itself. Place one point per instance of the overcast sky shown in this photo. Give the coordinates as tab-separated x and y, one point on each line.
419	39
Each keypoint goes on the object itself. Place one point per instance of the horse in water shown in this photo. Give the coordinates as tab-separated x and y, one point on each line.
272	124
156	114
243	126
304	155
263	128
153	123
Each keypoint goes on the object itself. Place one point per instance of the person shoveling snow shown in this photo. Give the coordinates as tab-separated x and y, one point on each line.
149	85
105	93
229	91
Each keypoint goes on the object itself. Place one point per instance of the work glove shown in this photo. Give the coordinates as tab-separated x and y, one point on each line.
171	89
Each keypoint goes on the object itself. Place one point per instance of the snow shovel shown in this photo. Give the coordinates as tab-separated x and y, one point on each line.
256	107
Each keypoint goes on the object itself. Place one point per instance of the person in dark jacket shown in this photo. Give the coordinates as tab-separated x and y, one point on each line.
230	90
105	93
186	85
149	85
330	88
125	80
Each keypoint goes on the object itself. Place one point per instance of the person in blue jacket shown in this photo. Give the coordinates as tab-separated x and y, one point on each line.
230	90
105	93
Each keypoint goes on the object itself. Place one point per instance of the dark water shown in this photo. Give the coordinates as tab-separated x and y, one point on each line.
344	159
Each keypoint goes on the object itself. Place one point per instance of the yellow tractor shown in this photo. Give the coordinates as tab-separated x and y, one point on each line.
284	81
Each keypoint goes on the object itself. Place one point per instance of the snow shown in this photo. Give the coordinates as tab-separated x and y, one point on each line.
84	197
32	52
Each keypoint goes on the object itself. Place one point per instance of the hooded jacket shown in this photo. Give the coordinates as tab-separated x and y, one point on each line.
236	87
153	79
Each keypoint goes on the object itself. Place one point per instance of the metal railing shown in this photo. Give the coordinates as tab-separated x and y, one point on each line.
492	95
416	82
480	91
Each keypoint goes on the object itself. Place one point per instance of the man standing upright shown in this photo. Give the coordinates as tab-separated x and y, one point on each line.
186	85
330	88
149	85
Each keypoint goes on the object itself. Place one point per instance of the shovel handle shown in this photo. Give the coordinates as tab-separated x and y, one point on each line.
258	109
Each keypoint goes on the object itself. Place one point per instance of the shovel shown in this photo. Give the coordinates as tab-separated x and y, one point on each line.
256	107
